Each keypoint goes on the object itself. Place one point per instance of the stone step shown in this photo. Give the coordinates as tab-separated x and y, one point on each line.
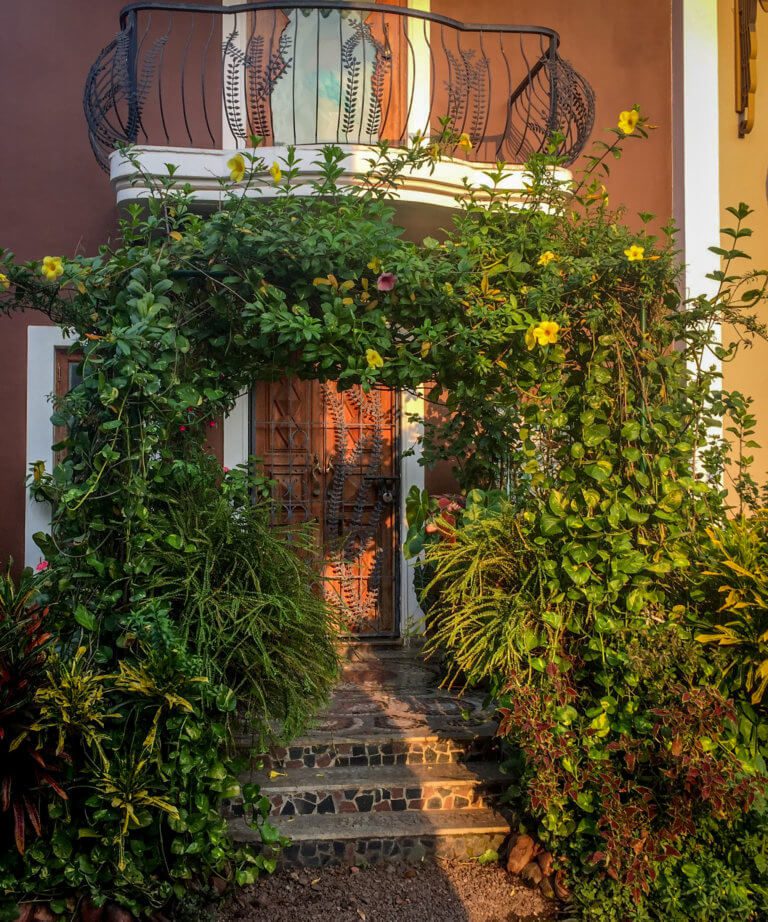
323	750
382	788
350	650
371	838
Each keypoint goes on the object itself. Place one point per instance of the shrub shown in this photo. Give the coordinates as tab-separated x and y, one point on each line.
245	597
31	769
720	874
138	819
621	745
574	601
732	569
488	610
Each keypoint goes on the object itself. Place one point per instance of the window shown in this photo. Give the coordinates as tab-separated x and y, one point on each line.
68	374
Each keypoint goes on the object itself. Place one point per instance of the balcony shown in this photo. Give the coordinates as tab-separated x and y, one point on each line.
188	84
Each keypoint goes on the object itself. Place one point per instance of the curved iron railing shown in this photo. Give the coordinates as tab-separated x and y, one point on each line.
329	71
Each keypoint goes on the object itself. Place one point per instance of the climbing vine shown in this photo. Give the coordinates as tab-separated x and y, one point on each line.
544	336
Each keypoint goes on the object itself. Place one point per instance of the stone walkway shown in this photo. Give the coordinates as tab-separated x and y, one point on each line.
394	769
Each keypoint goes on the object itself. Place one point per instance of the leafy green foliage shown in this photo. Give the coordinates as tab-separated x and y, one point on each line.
732	563
489	611
719	875
569	372
139	813
574	599
167	583
245	596
619	741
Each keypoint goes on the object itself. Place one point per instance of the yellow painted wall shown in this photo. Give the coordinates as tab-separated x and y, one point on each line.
743	173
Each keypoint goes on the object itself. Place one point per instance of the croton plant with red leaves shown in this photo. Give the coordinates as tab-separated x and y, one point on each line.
30	770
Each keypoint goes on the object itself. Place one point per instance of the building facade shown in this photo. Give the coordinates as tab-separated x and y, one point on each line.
189	84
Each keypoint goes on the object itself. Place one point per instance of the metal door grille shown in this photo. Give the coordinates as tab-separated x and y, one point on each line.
334	458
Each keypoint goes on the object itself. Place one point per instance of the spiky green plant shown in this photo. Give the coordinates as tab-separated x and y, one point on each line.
488	613
245	596
734	567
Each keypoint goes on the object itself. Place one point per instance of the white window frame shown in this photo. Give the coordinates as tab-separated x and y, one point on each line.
42	344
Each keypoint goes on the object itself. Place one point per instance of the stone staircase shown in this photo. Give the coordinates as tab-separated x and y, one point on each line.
394	769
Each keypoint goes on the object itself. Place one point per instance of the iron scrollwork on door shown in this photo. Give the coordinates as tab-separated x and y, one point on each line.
333	458
356	506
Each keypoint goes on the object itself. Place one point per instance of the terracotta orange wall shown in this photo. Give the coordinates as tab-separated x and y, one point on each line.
743	166
54	198
624	49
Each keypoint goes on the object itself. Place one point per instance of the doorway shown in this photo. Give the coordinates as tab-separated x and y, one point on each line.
334	458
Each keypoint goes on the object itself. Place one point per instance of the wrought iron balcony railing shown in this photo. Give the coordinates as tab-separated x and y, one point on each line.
328	71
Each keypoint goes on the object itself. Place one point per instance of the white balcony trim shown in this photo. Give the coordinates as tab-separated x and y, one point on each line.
435	185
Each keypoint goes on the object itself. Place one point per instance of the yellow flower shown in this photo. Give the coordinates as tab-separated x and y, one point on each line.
373	359
5	282
635	253
236	167
628	120
543	334
175	235
547	257
52	268
546	332
598	193
375	265
465	142
277	173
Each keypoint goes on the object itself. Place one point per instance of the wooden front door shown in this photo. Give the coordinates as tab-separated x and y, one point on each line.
333	456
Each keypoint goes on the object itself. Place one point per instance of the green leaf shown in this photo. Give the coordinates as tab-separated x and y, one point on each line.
635	516
636	600
550	524
489	856
556	503
85	618
580	575
61	843
630	431
599	470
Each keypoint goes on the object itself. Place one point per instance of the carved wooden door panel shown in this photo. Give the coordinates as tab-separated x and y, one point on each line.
334	458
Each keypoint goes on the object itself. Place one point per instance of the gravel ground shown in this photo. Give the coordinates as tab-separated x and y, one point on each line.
449	891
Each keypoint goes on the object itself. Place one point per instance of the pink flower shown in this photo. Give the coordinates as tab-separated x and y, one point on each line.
212	423
226	470
386	281
43	565
182	428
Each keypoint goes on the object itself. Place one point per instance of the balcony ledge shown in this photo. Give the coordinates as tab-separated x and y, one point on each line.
422	197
